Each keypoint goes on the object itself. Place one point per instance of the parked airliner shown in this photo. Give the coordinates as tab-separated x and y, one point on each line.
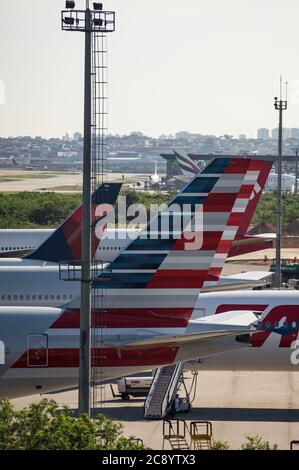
273	347
150	312
32	280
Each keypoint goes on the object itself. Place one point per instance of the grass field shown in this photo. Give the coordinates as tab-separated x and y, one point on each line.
25	176
64	189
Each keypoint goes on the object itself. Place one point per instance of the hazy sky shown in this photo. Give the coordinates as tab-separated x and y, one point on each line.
207	66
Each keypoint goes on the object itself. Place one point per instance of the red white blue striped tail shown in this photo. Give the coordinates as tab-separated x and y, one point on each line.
169	272
187	165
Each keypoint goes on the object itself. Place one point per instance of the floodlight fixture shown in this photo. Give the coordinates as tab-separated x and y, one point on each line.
70	5
98	22
68	20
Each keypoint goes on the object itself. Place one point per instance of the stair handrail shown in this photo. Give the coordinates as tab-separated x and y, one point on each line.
169	391
150	393
169	395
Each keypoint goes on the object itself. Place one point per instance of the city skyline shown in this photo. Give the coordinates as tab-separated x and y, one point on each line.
172	67
260	134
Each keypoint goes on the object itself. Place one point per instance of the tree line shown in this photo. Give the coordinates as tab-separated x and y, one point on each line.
49	209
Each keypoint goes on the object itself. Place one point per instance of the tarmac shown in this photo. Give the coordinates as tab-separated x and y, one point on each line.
270	254
238	404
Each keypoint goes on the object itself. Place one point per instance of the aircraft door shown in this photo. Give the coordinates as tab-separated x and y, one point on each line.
37	351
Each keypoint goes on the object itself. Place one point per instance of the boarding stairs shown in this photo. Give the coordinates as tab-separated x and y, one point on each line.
163	391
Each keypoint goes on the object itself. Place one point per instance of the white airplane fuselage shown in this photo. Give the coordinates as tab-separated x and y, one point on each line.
268	351
47	284
38	283
13	241
112	242
42	344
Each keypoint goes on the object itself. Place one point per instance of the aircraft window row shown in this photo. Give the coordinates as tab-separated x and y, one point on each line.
276	324
110	248
36	297
14	248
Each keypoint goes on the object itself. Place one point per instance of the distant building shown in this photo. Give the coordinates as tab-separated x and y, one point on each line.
182	135
77	136
274	133
137	134
263	134
242	137
294	133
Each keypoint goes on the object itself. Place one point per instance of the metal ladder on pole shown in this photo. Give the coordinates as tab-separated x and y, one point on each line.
163	391
100	107
99	175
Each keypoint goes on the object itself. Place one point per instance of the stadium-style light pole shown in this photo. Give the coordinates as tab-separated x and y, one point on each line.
89	21
280	105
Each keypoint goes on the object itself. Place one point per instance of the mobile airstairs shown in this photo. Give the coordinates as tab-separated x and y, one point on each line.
163	399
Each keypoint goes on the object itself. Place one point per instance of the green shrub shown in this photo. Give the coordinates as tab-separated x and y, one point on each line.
31	210
42	426
220	445
266	209
257	443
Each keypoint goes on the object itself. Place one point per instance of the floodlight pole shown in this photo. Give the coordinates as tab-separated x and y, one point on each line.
281	106
85	307
97	21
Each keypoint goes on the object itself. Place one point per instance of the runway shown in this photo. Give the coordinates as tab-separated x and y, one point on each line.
21	180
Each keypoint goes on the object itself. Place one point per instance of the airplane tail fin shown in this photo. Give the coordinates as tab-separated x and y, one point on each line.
161	273
190	168
187	165
260	175
65	243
